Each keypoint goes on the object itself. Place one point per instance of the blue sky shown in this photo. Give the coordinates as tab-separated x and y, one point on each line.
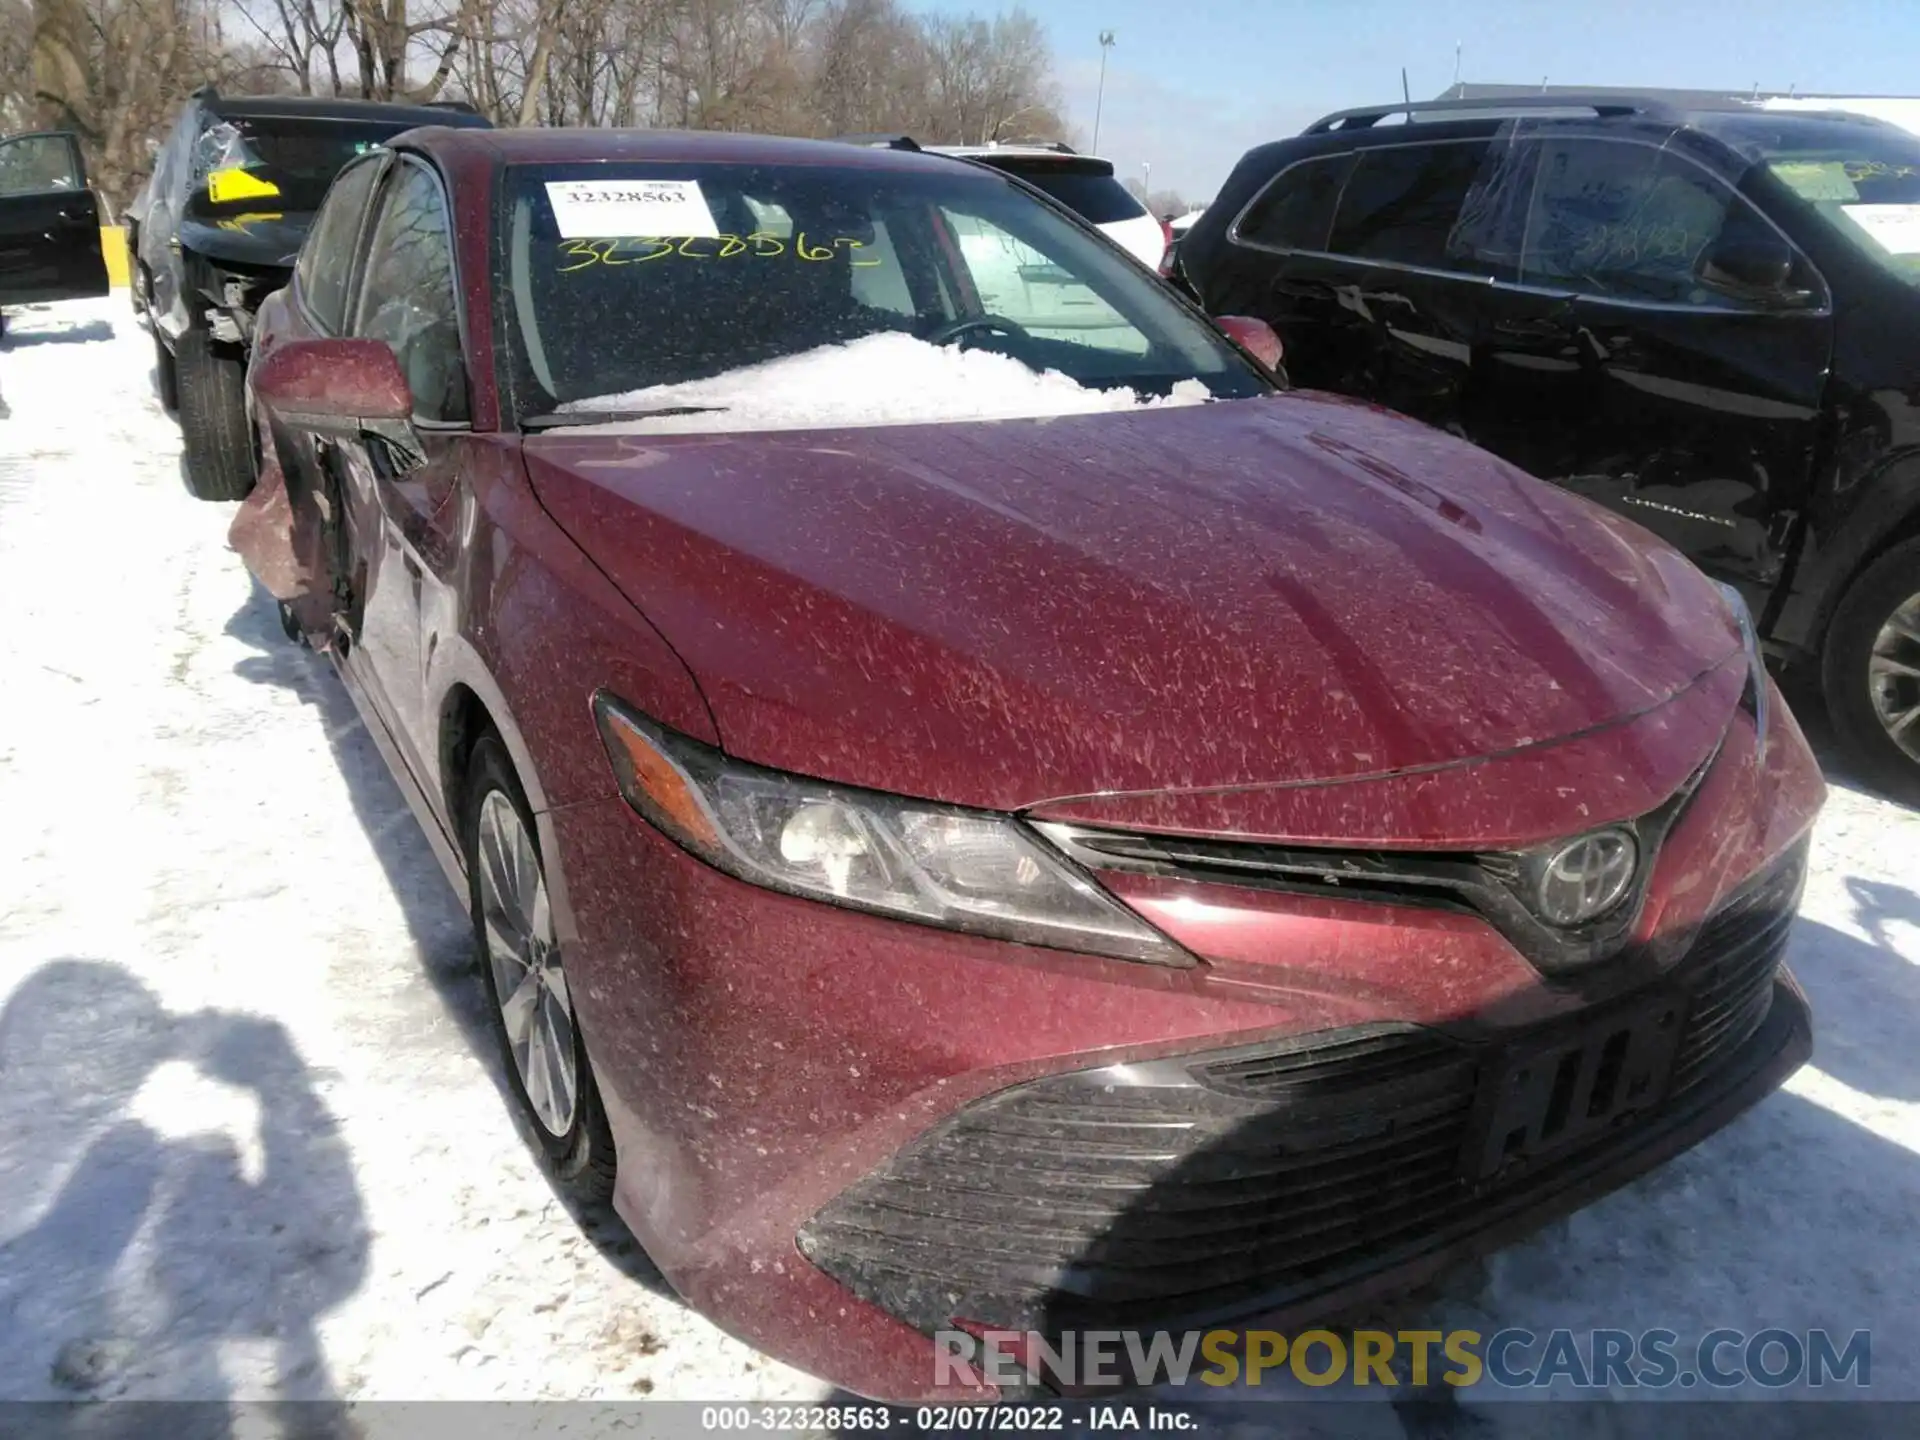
1191	84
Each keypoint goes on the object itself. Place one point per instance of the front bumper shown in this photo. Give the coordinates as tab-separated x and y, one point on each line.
770	1063
1294	1179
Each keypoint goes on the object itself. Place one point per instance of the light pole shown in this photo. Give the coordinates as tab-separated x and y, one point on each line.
1100	95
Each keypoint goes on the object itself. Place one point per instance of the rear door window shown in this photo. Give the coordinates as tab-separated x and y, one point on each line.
1401	204
1295	211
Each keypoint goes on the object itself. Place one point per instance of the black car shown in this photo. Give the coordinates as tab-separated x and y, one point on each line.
49	222
234	187
1707	318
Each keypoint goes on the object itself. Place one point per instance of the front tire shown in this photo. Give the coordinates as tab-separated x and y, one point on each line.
557	1103
213	417
1871	672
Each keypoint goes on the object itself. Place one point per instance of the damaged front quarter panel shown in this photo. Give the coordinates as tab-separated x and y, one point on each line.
280	530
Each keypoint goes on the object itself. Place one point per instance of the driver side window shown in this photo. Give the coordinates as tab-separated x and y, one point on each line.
407	294
40	164
1619	220
327	257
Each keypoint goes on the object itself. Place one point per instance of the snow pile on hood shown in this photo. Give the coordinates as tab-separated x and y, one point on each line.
885	379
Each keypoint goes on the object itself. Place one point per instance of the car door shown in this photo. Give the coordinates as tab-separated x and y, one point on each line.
1527	391
1275	267
404	506
1688	404
1387	308
49	221
317	539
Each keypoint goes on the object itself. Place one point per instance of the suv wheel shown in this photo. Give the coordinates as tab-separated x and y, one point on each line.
1872	671
553	1089
213	417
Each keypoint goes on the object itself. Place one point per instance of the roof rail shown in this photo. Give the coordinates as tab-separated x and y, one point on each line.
880	142
459	107
1601	105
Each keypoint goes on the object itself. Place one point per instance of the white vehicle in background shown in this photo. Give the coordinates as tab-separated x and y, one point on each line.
1012	278
1084	184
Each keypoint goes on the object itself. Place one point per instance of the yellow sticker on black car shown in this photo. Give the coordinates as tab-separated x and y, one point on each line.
237	184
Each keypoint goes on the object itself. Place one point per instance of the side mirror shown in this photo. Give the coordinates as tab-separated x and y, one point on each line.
1753	262
339	388
1256	337
333	380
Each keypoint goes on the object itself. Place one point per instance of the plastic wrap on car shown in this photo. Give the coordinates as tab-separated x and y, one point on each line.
220	147
1492	226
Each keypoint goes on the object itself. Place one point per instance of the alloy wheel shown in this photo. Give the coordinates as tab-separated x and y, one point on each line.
528	980
1893	676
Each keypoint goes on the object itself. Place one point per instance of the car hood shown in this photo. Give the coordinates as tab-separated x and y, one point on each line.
269	238
1276	591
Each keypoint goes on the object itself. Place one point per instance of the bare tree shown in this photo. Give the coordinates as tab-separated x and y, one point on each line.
992	80
117	70
114	70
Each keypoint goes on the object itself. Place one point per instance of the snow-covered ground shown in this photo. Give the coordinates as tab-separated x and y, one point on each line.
251	1142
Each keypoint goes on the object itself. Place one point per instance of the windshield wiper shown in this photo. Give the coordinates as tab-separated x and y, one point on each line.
558	419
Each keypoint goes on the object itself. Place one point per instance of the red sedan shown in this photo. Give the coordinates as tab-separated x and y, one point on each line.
979	808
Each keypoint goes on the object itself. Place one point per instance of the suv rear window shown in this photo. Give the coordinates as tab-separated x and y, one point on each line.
1087	187
1402	201
1295	211
297	155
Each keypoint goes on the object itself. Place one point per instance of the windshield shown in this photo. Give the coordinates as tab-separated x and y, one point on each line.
867	295
276	162
1868	193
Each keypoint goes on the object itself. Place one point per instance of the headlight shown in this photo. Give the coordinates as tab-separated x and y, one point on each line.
1578	881
940	865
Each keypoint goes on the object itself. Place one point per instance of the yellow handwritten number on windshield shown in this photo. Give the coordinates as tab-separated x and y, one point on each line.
585	254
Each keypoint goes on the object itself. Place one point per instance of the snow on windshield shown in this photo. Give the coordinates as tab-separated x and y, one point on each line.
885	379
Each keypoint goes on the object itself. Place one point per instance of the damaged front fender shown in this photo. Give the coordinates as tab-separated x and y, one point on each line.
281	538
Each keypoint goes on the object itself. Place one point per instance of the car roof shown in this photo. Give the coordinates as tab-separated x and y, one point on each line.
554	146
1024	151
260	107
1743	130
1706	111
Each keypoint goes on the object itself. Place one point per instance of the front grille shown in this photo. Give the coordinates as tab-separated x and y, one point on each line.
1314	1064
1183	1191
1729	971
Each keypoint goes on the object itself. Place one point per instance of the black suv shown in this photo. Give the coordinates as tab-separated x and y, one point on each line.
234	187
1706	318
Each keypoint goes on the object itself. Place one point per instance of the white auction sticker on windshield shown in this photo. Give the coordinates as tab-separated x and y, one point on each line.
630	209
1894	228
